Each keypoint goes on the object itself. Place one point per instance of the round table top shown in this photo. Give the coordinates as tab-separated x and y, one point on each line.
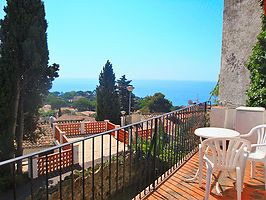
212	132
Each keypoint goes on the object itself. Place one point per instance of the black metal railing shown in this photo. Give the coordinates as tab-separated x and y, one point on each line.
123	163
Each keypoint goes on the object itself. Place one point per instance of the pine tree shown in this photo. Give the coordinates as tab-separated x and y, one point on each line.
123	93
108	107
25	74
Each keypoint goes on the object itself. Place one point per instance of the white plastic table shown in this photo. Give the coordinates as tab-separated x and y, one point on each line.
211	132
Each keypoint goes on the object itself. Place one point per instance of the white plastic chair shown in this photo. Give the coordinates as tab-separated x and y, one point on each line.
225	154
259	153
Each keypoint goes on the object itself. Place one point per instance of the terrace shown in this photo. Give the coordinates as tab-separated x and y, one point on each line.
146	160
176	187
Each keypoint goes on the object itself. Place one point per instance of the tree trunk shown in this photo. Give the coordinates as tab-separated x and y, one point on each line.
7	139
19	133
13	121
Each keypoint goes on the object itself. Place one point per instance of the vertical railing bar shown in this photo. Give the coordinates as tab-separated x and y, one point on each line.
188	130
154	153
83	170
124	159
185	130
175	140
169	143
191	128
102	166
110	162
92	185
72	172
138	155
178	138
159	148
60	172
149	165
46	176
141	151
146	160
172	150
181	135
31	179
163	145
130	153
117	161
14	180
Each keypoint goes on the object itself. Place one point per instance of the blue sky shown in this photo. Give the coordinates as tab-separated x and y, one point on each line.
144	39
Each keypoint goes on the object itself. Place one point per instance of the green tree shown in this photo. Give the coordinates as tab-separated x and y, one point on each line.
69	95
55	102
84	104
256	94
155	103
25	74
123	93
158	103
107	98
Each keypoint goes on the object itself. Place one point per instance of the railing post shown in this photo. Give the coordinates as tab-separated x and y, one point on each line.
33	167
76	154
82	127
61	136
53	129
106	124
116	136
154	152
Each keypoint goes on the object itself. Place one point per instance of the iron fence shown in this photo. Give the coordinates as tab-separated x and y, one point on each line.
122	163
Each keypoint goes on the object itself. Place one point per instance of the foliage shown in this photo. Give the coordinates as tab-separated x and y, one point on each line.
158	103
215	93
83	104
123	93
107	98
69	95
25	74
48	113
55	102
256	94
58	100
155	103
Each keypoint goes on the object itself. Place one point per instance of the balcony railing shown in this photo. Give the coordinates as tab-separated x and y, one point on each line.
119	163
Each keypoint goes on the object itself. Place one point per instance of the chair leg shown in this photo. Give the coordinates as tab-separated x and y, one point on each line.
253	166
238	183
200	166
208	182
264	175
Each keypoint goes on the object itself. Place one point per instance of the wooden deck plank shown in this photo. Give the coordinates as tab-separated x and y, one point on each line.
175	186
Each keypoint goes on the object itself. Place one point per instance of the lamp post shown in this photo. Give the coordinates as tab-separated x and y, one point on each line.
123	118
130	88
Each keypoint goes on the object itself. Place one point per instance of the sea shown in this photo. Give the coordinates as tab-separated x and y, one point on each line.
177	91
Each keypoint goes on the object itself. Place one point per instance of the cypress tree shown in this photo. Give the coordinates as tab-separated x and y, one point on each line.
25	74
123	93
108	107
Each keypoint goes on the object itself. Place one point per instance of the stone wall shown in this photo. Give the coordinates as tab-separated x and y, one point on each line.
241	25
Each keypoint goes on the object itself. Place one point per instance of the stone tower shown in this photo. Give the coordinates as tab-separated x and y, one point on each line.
241	25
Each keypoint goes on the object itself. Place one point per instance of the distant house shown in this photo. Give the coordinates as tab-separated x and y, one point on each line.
74	118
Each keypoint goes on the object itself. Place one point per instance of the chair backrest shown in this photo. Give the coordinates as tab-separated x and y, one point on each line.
226	153
260	130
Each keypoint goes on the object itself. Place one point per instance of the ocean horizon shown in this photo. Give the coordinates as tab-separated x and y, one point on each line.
177	91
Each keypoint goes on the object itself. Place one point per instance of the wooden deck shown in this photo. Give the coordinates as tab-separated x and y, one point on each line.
175	186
